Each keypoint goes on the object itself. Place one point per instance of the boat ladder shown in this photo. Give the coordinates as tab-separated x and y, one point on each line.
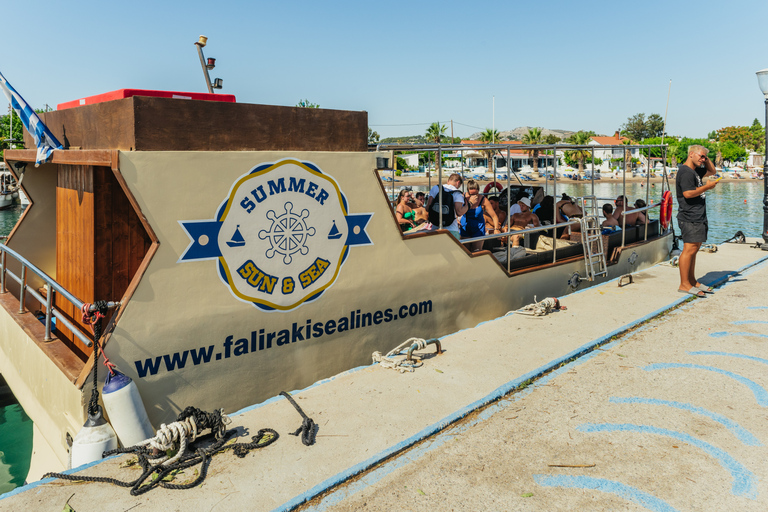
592	240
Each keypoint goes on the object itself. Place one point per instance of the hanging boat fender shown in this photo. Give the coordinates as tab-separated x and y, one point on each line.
666	209
92	441
494	184
125	409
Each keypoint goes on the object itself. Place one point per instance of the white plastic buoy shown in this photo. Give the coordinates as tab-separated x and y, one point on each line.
125	409
92	441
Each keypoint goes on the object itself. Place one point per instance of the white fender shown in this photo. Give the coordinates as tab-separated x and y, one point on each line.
125	409
92	441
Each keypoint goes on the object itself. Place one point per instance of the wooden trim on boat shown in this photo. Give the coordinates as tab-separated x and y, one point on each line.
96	157
154	245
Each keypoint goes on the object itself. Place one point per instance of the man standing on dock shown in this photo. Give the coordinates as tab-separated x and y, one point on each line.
692	215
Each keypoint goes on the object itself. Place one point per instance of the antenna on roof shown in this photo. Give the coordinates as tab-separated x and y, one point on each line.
218	83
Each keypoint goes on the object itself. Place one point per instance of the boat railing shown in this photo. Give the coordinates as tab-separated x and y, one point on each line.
636	210
53	288
522	232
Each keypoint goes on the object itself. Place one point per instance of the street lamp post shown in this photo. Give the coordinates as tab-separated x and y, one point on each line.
762	81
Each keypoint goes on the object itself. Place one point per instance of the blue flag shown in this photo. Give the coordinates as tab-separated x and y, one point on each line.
44	139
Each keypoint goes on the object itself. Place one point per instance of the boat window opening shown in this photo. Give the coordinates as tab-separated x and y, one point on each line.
509	168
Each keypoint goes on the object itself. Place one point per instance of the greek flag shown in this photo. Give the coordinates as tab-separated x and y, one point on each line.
44	139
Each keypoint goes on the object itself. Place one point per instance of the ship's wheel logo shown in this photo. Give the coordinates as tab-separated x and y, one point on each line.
288	233
281	236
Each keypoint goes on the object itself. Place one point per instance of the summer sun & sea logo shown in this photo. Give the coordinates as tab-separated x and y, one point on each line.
281	237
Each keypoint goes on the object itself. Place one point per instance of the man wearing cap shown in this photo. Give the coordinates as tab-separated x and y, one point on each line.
523	205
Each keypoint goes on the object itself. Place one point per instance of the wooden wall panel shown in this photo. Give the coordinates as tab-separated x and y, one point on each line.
74	243
163	124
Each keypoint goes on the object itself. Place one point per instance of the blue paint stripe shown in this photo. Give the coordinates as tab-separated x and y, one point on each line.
743	322
757	307
72	471
495	395
723	334
744	435
760	394
744	481
729	354
624	491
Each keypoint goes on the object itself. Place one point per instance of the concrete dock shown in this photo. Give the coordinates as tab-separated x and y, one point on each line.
646	399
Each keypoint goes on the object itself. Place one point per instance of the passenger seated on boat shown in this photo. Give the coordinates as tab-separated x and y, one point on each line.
473	221
460	207
420	199
633	219
546	213
568	207
610	221
407	211
522	220
641	204
491	245
523	204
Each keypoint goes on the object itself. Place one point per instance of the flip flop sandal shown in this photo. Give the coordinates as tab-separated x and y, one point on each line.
705	288
693	291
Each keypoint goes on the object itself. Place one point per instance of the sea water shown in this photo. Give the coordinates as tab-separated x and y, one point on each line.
731	206
15	425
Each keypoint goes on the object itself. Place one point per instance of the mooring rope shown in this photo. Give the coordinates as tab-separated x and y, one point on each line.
541	308
157	466
402	365
308	428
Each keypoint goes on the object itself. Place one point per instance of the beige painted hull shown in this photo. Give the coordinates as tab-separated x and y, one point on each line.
187	338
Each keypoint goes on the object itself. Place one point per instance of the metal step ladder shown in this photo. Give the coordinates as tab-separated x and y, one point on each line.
592	239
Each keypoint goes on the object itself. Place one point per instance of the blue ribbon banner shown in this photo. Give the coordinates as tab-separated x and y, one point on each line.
208	231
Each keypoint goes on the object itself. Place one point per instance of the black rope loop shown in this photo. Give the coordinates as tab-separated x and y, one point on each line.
308	428
153	475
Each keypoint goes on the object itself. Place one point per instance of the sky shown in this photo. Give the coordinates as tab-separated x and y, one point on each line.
554	64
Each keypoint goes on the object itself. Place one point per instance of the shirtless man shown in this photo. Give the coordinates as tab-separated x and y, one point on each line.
522	220
610	221
633	219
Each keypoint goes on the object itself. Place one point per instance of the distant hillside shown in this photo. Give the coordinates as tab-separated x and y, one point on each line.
517	133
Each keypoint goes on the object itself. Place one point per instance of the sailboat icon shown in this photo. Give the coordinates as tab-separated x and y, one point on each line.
237	238
335	234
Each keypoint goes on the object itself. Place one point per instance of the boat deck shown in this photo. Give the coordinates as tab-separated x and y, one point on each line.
368	414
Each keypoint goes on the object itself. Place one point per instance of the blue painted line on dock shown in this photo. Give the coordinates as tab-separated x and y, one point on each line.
493	396
619	489
723	334
744	322
757	307
744	481
728	354
744	435
760	394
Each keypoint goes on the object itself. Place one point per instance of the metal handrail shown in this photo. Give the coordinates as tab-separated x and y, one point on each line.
53	287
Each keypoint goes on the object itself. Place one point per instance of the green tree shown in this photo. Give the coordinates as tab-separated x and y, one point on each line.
579	155
373	137
17	137
533	137
638	127
307	104
654	126
551	139
490	136
435	133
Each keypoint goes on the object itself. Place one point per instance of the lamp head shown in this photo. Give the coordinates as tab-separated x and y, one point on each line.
762	81
202	41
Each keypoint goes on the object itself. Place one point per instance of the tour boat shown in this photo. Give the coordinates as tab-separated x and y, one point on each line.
251	249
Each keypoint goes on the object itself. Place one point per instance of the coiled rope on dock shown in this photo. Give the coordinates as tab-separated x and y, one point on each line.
402	365
158	466
539	308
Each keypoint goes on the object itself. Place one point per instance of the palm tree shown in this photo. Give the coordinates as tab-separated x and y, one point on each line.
490	136
534	136
580	139
435	133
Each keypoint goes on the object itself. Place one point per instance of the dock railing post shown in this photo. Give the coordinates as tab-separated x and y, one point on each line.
48	313
2	273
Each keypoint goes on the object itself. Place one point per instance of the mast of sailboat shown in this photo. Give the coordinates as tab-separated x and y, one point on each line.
664	132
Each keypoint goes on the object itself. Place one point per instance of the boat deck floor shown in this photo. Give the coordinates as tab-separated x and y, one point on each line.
369	414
